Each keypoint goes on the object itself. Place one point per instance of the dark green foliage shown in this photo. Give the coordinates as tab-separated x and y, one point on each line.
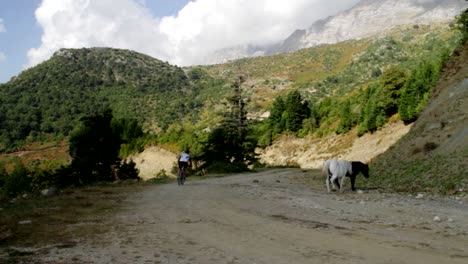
231	143
51	97
462	25
17	181
415	93
130	133
346	118
392	81
3	174
296	110
128	170
94	148
226	146
286	115
275	120
236	114
380	100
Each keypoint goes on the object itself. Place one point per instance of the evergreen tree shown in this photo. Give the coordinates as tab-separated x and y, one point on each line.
346	118
415	93
94	148
275	119
230	145
392	81
295	111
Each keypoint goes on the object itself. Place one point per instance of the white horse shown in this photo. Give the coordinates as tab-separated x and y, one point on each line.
337	169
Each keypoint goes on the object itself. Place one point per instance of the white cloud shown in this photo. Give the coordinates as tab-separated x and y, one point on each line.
200	28
2	57
206	25
104	23
2	27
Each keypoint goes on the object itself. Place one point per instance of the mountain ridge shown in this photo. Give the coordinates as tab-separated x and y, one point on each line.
364	19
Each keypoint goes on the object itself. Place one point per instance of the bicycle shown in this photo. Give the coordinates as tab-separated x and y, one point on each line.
181	176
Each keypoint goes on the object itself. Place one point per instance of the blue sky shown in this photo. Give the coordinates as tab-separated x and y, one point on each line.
22	32
182	32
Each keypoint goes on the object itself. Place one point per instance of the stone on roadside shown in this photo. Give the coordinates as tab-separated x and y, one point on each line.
49	192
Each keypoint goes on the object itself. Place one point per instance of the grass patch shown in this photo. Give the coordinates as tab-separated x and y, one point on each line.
437	174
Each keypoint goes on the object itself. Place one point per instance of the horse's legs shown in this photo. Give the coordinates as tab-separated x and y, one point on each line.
353	180
337	183
327	181
342	183
332	180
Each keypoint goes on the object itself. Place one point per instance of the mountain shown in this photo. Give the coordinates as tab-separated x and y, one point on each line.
366	18
51	97
370	17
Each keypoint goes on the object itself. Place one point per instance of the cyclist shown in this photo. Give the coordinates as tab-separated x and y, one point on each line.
184	161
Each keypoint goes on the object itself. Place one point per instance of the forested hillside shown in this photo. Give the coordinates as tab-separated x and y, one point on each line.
48	100
355	83
360	83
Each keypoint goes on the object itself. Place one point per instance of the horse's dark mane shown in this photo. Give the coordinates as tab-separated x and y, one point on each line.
358	167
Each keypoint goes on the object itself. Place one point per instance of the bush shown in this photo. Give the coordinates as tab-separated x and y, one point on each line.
462	25
227	167
128	170
17	181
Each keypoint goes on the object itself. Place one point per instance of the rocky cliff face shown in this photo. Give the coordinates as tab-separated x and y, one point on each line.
367	18
370	17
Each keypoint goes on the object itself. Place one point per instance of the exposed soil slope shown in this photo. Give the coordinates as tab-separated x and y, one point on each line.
310	152
154	160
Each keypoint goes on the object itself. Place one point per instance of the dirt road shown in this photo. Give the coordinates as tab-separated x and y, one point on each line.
276	216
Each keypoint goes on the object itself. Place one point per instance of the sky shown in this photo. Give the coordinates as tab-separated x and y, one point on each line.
182	32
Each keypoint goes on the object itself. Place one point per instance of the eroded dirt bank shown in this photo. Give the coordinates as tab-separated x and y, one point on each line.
276	216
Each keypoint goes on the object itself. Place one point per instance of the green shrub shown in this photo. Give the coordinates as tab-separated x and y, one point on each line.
227	167
128	170
17	181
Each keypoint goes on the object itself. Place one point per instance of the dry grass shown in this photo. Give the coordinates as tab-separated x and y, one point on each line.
42	152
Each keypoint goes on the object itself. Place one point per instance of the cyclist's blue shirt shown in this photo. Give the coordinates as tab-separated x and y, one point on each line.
184	157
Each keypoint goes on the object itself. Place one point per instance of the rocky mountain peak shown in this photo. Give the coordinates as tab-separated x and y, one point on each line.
366	18
370	17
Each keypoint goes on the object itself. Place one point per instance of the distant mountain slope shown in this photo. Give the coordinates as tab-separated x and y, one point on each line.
52	96
367	18
429	155
370	17
435	151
